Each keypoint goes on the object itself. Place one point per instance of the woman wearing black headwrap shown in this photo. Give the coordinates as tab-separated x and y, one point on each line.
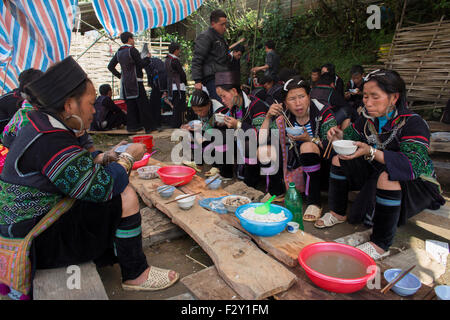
46	167
391	167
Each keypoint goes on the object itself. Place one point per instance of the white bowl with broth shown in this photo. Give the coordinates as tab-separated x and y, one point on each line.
344	147
219	117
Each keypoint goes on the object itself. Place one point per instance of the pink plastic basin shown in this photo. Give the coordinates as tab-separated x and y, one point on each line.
334	284
174	174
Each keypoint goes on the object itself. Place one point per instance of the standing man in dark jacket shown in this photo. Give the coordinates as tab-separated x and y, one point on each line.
157	80
138	106
211	54
176	84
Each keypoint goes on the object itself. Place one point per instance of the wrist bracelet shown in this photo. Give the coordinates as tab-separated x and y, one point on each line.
127	155
238	125
371	154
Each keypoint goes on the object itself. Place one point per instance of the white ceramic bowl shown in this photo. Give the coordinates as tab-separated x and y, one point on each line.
186	203
219	117
148	172
344	147
295	131
195	124
232	208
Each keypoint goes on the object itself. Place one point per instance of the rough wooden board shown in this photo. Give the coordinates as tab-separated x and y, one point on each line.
284	246
242	189
238	260
183	296
161	134
51	284
437	146
443	211
208	285
433	223
436	126
156	227
198	184
427	269
305	289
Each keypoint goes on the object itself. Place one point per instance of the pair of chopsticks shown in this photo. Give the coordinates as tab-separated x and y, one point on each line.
397	279
285	116
187	196
327	152
215	177
168	186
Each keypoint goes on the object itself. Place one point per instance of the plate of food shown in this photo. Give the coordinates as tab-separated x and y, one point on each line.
233	202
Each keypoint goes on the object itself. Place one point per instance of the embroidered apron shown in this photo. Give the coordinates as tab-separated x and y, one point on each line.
15	264
295	175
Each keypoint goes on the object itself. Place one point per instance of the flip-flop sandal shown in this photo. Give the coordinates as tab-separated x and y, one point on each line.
328	221
371	251
314	211
157	279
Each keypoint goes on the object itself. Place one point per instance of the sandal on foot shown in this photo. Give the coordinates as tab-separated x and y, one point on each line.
192	165
328	221
212	172
314	211
371	251
157	279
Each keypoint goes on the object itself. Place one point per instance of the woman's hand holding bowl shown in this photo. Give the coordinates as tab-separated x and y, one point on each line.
231	122
187	127
303	137
363	149
137	150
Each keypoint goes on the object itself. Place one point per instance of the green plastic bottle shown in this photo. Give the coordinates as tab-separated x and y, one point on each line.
294	203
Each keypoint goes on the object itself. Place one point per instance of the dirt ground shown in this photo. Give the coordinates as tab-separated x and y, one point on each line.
172	254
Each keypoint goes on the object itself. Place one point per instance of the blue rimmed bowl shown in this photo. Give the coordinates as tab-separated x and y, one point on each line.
407	286
263	229
167	193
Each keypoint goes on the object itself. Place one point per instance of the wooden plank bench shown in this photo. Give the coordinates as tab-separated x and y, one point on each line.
58	284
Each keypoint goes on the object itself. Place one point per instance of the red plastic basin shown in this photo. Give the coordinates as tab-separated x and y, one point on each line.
175	174
333	284
147	140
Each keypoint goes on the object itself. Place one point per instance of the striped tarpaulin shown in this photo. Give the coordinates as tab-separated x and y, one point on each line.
33	34
135	16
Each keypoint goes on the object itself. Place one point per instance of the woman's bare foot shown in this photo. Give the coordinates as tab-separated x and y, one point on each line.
144	275
337	216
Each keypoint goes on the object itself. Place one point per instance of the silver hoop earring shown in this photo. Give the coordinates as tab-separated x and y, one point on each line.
78	119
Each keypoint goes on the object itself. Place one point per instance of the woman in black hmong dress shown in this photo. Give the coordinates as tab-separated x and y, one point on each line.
47	165
391	167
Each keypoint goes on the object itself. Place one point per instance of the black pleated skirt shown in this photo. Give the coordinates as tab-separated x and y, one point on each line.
417	195
84	233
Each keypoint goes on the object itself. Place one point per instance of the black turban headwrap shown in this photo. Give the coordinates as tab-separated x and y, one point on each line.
227	78
57	83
